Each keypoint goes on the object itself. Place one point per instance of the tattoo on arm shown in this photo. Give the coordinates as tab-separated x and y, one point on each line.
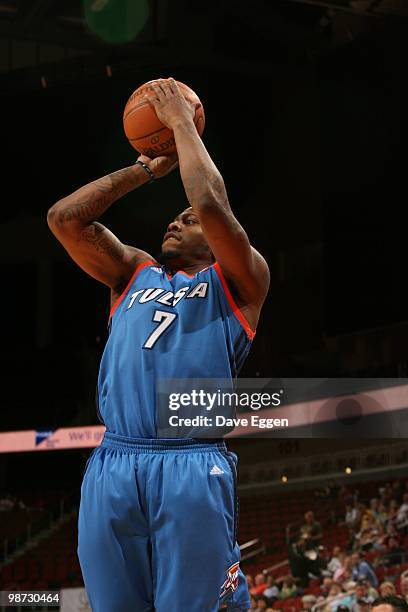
90	206
94	234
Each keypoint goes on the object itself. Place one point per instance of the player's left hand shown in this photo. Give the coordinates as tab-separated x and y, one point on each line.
160	166
169	103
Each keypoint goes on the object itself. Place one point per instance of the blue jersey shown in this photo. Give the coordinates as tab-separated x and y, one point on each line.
165	327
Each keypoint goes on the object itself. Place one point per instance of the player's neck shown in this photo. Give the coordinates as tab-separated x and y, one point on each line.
189	268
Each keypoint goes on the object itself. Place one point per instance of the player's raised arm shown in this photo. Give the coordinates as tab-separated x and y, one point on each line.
205	190
73	220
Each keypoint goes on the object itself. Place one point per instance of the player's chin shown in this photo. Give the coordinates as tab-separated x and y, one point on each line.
169	253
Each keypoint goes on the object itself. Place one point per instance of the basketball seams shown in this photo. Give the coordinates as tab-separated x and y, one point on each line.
163	136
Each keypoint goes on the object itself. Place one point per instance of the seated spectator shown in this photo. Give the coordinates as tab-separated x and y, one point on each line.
363	605
289	588
311	530
250	581
382	514
326	586
361	570
387	589
394	553
329	492
392	512
390	604
404	586
371	538
352	517
349	598
335	561
335	590
343	573
365	591
401	519
259	585
261	603
375	508
337	598
397	491
308	601
272	589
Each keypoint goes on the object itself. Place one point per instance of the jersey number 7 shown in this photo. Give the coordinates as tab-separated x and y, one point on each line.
165	319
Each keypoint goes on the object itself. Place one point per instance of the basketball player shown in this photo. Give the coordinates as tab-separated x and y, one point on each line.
158	517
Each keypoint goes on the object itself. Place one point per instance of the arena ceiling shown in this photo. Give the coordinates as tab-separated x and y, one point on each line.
38	33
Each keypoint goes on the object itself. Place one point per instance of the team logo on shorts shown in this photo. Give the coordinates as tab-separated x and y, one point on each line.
231	582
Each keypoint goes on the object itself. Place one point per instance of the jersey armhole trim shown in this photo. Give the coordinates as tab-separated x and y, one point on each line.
139	268
237	312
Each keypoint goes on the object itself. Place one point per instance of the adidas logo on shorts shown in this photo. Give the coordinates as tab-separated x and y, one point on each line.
215	470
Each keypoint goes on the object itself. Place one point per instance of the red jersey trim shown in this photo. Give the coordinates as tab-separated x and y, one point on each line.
250	332
135	273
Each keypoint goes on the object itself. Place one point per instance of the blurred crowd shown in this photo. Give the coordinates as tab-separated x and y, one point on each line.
344	579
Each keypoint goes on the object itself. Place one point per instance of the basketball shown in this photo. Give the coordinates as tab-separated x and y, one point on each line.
145	132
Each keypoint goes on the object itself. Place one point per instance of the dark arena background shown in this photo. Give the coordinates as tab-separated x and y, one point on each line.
306	118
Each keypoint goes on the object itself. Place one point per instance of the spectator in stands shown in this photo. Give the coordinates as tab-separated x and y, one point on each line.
394	552
299	564
397	491
401	519
329	492
352	518
404	586
363	605
335	561
369	537
250	581
289	588
272	589
308	601
326	586
335	589
364	590
361	570
343	573
375	508
349	598
262	602
387	589
311	530
394	603
385	493
382	514
259	585
335	597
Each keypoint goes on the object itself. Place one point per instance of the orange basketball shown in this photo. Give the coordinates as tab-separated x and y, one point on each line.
145	132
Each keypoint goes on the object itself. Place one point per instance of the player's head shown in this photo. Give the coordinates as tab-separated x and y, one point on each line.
393	603
184	241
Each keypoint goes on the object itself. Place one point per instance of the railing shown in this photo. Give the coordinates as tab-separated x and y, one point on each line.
252	552
35	527
366	459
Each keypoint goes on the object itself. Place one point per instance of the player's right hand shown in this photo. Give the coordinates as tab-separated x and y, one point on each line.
160	166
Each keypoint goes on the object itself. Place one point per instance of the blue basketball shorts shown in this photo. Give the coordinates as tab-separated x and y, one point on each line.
157	527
